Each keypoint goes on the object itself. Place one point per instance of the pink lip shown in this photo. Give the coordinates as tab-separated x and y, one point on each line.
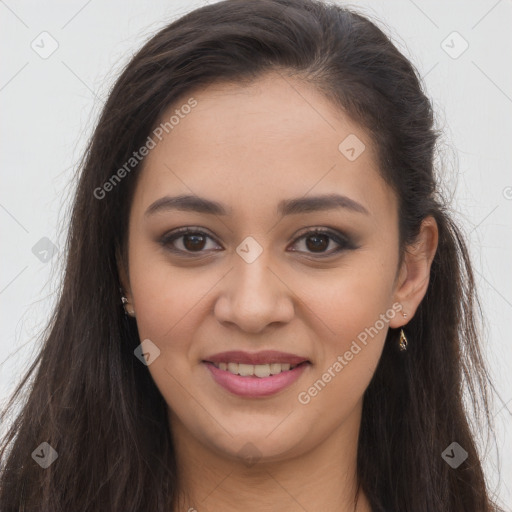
263	357
252	387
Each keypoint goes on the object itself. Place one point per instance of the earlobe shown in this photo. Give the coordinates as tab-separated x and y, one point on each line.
414	277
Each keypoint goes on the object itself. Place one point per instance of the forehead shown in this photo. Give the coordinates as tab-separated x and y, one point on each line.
256	144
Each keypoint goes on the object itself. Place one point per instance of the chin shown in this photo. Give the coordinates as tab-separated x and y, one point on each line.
257	446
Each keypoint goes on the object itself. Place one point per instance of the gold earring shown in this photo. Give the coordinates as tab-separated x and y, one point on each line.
403	341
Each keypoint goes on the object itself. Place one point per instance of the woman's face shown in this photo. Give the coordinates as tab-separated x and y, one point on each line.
257	164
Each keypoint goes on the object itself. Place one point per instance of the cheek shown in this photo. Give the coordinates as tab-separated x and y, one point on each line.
169	307
171	304
352	314
165	302
349	301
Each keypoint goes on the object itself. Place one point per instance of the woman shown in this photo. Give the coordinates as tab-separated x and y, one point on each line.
266	305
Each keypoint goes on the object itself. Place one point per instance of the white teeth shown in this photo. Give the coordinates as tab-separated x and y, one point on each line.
275	368
258	370
262	370
233	368
245	369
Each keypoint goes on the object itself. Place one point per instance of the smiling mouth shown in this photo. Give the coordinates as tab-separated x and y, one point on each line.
256	370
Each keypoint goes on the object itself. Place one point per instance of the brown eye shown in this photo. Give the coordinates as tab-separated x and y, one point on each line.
193	242
319	240
187	241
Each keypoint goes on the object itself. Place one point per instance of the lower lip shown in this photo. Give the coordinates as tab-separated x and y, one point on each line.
252	387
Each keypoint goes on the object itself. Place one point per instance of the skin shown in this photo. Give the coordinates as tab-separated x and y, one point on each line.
250	147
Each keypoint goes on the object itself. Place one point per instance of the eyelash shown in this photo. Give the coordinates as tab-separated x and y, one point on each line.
343	241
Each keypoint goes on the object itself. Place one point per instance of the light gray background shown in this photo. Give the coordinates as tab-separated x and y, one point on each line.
49	107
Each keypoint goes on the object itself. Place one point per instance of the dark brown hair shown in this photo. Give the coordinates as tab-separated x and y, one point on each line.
98	407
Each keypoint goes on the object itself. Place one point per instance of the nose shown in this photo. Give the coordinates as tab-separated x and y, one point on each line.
254	296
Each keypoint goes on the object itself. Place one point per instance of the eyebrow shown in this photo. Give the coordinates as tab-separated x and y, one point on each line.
193	203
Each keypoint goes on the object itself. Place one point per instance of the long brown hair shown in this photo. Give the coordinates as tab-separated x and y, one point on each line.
97	406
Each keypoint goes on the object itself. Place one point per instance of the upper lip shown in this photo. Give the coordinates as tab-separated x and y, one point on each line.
263	357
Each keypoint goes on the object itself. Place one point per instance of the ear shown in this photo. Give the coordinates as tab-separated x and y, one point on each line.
414	275
123	274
